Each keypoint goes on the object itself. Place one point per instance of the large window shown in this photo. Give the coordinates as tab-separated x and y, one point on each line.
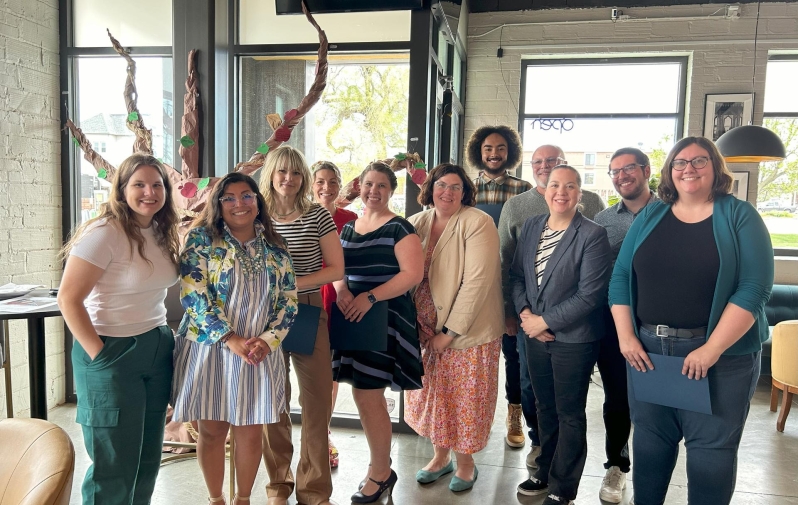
102	115
362	115
590	108
777	194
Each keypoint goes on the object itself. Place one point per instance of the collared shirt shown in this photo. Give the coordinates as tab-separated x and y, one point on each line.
617	220
500	189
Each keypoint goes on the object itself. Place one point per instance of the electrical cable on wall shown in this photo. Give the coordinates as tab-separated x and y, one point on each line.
499	54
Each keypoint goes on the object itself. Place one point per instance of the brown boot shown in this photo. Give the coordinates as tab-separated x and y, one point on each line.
515	428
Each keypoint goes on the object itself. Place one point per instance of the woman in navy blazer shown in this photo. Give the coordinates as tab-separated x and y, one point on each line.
559	280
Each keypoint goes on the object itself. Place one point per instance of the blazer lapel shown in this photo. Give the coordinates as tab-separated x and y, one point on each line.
447	234
559	251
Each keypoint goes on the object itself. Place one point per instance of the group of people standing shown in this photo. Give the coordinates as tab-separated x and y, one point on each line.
687	274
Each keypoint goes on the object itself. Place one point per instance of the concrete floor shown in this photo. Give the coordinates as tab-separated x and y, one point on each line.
767	471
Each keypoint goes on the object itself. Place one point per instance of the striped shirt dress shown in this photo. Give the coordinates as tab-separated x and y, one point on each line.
213	383
369	262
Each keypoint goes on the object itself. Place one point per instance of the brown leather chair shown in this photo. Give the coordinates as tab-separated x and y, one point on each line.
37	463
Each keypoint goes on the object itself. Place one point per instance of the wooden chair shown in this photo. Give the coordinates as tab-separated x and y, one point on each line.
784	362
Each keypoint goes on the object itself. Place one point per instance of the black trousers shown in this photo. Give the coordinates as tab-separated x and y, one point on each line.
617	423
560	374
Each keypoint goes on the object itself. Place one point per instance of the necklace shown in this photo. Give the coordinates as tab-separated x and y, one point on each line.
251	266
283	216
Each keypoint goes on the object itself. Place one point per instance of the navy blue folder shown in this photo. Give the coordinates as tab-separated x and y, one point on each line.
301	338
494	210
370	334
665	385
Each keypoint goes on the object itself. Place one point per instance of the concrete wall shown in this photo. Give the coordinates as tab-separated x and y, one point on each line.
720	50
30	182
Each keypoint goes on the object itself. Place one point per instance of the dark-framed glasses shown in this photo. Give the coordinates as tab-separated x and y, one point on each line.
245	199
456	188
628	169
554	160
697	162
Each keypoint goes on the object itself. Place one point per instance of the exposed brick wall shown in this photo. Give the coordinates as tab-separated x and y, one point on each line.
30	182
715	65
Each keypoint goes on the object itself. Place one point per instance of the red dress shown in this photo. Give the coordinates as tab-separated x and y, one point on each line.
328	296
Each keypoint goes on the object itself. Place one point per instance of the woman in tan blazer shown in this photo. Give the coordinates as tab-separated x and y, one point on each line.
460	322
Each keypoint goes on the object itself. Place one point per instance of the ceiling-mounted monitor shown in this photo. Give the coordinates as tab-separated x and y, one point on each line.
333	6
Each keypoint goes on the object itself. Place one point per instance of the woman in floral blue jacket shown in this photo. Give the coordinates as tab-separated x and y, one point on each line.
239	292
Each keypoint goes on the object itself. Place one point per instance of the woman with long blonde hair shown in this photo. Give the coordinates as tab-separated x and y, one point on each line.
119	266
318	259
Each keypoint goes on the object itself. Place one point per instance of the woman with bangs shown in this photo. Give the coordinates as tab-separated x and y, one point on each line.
326	189
119	266
239	293
691	280
318	259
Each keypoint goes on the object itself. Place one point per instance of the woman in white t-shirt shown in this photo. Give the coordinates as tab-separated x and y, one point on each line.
119	266
311	235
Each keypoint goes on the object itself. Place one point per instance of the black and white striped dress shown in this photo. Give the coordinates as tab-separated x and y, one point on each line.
546	245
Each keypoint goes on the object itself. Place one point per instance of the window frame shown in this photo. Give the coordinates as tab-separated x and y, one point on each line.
781	251
679	115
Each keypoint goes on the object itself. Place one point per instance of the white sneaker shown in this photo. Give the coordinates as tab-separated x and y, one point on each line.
612	486
532	456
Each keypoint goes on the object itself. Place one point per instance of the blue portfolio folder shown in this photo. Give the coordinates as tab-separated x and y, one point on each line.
370	334
494	210
665	385
301	338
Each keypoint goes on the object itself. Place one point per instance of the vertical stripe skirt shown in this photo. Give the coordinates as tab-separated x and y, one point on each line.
212	383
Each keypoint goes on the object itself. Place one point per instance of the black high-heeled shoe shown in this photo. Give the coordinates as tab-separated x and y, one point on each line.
386	485
363	482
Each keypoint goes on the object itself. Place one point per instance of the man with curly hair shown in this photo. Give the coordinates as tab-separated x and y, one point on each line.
493	150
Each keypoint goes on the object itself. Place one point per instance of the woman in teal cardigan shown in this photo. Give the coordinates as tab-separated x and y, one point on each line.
691	280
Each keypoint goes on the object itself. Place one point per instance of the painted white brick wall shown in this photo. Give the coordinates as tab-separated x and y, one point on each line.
721	53
30	180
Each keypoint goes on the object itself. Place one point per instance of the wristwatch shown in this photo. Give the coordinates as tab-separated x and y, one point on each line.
449	332
372	298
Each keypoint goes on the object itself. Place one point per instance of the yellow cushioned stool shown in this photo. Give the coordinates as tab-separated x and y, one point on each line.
784	362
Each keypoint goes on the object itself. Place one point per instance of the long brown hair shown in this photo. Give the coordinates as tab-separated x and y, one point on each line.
116	210
288	157
211	216
722	183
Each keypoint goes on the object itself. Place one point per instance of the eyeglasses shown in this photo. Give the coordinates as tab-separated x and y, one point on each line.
697	162
628	169
456	188
548	161
246	199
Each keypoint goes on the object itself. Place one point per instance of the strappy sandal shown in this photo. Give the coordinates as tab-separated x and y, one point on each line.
238	499
333	452
218	499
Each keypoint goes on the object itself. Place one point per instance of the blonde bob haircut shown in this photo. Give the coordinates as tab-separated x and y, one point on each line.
286	157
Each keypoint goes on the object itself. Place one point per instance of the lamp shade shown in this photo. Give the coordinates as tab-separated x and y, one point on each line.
750	144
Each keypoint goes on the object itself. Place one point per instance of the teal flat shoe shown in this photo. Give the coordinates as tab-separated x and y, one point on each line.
426	477
457	484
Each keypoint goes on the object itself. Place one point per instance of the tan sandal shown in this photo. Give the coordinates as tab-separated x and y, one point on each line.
218	499
237	499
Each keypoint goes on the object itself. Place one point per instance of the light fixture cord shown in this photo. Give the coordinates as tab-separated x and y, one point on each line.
753	72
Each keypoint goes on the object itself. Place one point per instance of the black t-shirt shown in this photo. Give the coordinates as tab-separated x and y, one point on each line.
676	268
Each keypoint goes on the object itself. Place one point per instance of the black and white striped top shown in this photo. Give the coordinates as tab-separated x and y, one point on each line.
303	236
546	245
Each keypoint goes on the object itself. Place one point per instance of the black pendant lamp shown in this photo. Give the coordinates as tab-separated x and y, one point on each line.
751	144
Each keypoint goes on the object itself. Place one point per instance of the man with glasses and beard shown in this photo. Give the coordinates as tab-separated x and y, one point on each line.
630	171
493	150
514	213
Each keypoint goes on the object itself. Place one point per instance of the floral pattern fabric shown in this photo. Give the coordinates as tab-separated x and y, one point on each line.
456	404
205	271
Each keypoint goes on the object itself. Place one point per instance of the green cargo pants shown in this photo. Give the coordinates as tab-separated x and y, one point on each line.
122	397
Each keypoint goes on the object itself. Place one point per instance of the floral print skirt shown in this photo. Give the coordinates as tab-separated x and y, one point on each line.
457	402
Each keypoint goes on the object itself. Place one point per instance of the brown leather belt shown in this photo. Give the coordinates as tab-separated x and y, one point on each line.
662	330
